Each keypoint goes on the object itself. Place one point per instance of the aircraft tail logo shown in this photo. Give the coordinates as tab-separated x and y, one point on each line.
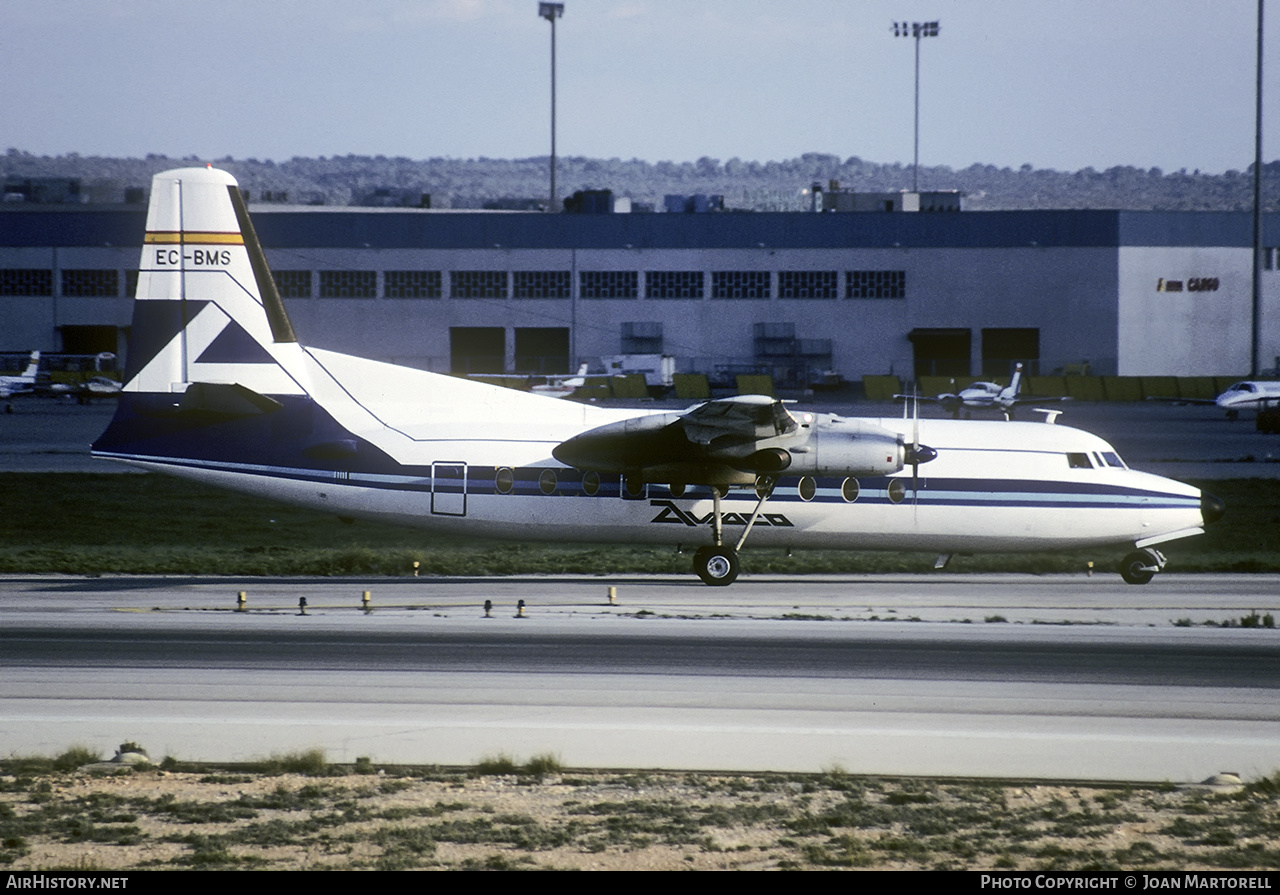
207	308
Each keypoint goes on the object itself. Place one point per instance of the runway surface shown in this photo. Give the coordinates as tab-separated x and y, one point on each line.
992	675
1002	675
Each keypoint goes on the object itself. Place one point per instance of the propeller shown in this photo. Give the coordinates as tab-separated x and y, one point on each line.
916	453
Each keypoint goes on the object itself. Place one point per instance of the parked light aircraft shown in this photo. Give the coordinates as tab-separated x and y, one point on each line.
562	386
86	391
1248	395
985	396
1251	394
218	389
23	383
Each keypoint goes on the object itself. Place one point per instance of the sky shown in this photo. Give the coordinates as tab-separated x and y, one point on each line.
1052	84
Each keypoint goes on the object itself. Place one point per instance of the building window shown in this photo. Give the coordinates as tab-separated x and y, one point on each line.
293	283
740	284
348	284
478	283
542	283
806	284
19	281
876	284
642	337
412	284
91	283
673	284
609	284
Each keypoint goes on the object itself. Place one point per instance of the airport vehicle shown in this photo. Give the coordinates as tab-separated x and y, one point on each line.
985	396
24	381
218	389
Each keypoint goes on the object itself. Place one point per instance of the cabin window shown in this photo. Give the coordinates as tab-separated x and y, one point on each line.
897	491
504	480
591	483
632	487
547	481
1079	461
849	490
808	488
764	485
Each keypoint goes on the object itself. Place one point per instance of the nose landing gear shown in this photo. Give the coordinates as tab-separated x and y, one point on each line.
1141	566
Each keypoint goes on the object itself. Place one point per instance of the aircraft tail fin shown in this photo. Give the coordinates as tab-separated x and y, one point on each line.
207	308
33	367
1015	384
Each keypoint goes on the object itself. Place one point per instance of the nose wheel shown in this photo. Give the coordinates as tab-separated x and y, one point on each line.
716	566
1141	566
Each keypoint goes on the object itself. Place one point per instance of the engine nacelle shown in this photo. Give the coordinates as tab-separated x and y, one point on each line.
849	448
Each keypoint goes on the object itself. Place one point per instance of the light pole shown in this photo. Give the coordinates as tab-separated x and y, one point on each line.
916	30
1255	341
551	12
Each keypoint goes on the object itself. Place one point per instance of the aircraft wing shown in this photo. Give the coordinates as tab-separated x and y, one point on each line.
731	441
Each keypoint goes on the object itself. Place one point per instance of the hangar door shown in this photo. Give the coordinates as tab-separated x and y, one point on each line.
477	349
542	350
1002	348
941	352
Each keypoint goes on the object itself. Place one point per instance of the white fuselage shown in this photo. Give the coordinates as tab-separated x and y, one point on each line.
1249	395
993	487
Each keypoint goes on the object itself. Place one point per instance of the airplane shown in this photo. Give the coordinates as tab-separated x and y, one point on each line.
985	395
84	392
560	386
24	382
1250	394
219	389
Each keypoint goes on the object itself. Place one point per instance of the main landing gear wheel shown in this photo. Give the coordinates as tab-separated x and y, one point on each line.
1138	568
716	566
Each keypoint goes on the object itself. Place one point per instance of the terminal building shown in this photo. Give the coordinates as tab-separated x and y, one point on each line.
804	297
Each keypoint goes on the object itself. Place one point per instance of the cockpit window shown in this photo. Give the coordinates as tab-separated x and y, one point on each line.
1113	459
1243	387
1079	461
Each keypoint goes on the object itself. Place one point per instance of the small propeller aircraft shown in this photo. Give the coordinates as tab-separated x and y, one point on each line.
23	383
562	386
219	389
983	395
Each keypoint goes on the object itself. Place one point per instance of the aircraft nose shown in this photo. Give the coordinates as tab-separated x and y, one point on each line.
1211	508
